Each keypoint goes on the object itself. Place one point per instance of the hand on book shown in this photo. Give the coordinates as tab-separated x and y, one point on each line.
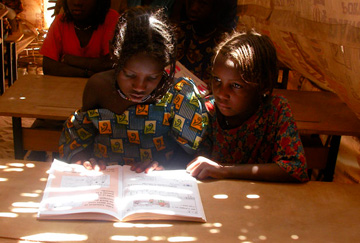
93	164
98	165
202	168
146	166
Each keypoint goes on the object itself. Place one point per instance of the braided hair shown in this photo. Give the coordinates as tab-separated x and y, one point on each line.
145	30
255	56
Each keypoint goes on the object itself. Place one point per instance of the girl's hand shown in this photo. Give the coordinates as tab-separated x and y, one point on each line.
203	168
92	164
146	167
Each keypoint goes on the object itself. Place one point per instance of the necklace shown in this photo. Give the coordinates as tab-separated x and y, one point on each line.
82	29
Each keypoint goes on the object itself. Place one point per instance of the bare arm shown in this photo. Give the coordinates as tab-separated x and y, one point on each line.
203	168
75	66
100	92
52	67
94	65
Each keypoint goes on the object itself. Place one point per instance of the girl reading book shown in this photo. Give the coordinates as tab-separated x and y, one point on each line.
135	114
253	134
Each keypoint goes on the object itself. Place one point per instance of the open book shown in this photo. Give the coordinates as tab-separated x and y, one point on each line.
72	192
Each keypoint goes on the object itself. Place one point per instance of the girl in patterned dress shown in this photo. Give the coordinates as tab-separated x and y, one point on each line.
252	133
136	114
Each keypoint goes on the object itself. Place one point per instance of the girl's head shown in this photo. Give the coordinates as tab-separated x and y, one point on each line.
244	72
144	36
90	12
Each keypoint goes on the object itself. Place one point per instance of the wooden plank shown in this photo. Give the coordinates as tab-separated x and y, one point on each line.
43	96
321	113
15	37
41	139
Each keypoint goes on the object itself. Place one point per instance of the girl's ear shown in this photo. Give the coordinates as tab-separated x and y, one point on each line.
265	94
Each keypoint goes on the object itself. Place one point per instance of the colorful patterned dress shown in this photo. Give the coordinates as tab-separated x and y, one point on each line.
143	132
269	136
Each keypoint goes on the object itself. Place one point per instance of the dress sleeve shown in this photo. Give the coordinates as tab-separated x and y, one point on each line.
52	46
78	133
288	150
188	117
207	143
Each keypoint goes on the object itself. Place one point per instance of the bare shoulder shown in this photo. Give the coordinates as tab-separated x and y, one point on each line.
98	88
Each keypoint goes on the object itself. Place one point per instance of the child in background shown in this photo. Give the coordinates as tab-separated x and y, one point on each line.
201	26
252	133
77	44
135	114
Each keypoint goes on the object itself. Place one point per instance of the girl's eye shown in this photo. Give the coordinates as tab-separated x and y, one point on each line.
216	79
128	75
237	86
151	78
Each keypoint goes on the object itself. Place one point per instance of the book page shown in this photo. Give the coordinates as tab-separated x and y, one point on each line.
73	189
171	193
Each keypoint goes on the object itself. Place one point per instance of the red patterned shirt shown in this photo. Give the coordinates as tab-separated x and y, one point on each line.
269	136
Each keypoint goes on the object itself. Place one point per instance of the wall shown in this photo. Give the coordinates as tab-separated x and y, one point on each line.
33	12
319	39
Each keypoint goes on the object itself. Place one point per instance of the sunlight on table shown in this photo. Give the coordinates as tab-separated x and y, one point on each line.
58	237
220	196
137	225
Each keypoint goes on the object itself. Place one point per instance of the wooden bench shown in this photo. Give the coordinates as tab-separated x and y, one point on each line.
41	97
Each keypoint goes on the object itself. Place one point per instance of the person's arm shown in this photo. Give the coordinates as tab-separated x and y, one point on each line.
203	168
195	123
93	65
55	68
288	160
288	152
77	138
100	92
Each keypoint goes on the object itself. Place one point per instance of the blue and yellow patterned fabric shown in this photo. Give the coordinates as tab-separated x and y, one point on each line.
143	132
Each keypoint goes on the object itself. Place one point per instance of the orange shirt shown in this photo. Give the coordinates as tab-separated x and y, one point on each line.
61	39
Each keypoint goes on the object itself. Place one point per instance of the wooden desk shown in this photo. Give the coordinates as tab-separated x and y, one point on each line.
323	113
40	96
311	212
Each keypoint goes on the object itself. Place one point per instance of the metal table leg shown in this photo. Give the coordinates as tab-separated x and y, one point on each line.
332	158
18	138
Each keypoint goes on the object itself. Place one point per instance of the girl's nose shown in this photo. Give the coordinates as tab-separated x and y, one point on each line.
139	85
222	92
